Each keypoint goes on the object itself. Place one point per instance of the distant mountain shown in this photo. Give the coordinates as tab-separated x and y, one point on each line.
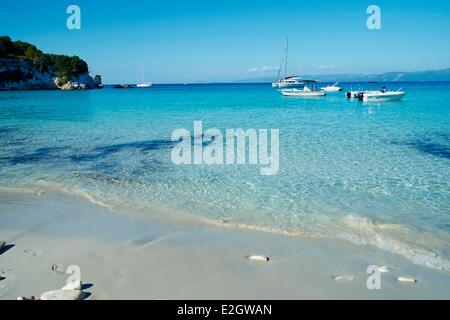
430	75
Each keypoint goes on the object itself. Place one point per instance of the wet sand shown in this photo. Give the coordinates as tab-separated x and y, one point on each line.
122	256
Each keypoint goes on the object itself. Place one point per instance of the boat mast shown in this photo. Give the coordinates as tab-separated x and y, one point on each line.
286	62
142	73
281	65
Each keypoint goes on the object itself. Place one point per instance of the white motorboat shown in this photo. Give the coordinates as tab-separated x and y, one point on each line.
332	88
382	95
143	84
307	91
354	94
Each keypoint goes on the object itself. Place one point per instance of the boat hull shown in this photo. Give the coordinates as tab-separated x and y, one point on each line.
143	85
381	96
331	89
303	94
282	85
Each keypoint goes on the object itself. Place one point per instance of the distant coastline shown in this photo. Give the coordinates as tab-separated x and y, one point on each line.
396	76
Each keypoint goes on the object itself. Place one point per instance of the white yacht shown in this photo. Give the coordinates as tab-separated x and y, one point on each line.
382	95
143	84
291	82
287	81
307	91
332	88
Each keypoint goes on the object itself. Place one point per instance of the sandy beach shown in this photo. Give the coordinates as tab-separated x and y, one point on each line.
122	256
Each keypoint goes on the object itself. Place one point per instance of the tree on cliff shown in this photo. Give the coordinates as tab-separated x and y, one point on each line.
64	66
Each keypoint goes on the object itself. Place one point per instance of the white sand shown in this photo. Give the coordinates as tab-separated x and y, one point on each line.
126	257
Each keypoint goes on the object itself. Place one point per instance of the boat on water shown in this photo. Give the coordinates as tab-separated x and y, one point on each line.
354	94
382	95
143	84
332	88
309	90
292	81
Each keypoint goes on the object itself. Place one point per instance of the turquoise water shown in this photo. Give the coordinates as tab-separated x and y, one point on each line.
372	173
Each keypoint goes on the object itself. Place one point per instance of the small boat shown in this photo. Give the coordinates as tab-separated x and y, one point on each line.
332	88
382	95
143	84
305	92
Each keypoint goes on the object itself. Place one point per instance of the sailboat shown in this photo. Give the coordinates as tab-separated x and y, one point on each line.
143	84
287	81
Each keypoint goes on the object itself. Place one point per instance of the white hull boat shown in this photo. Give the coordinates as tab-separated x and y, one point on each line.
333	88
143	84
302	93
382	95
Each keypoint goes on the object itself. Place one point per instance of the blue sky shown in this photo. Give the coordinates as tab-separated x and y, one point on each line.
226	40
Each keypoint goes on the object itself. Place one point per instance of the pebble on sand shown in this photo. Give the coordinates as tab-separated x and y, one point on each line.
259	258
406	279
383	269
343	278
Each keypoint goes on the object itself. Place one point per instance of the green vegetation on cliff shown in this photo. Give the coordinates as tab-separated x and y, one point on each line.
64	66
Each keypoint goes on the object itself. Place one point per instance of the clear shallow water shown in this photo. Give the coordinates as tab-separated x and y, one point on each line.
371	173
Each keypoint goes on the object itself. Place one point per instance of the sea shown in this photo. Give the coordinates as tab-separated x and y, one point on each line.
373	173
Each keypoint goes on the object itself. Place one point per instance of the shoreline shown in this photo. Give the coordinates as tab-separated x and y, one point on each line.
122	256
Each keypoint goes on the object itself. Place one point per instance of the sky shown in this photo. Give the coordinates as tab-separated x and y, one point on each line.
182	41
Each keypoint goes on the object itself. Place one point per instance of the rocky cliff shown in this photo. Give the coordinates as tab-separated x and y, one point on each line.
25	67
18	74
